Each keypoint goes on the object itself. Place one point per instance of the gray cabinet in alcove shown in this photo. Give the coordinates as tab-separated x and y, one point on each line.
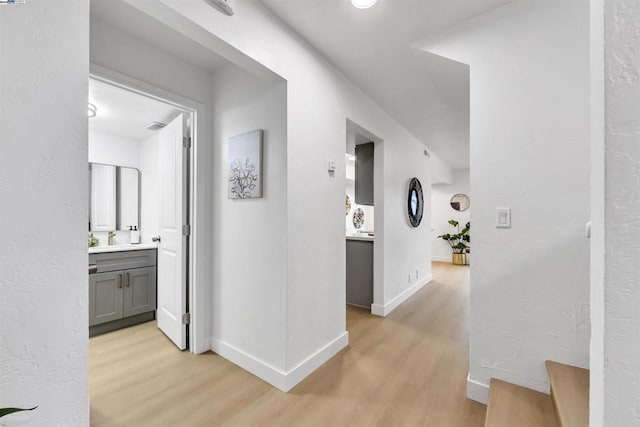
364	174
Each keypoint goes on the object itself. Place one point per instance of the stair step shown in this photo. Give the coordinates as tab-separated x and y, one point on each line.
570	393
511	405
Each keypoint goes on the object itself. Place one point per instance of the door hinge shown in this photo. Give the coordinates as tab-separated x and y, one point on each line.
186	318
186	142
186	230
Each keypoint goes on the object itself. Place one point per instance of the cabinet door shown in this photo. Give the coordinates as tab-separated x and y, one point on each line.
139	291
364	174
105	297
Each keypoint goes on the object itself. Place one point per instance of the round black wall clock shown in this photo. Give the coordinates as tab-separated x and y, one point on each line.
415	202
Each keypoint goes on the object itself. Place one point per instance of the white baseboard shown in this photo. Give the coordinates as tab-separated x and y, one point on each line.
317	359
477	391
257	367
383	310
282	380
441	258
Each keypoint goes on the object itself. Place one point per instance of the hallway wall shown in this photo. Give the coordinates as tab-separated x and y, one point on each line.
530	115
615	371
43	211
319	100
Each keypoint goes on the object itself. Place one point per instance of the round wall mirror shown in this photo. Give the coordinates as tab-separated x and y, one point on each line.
415	202
460	202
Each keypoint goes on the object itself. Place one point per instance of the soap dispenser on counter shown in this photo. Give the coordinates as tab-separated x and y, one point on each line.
135	235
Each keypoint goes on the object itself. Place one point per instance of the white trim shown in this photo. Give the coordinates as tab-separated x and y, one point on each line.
477	391
257	367
198	342
383	310
317	359
201	345
283	381
441	259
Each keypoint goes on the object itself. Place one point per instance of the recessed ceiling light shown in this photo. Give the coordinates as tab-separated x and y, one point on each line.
93	111
363	4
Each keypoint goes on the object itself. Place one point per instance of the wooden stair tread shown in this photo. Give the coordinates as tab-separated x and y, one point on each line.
511	405
570	393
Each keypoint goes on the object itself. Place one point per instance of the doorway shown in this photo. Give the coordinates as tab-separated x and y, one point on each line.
141	152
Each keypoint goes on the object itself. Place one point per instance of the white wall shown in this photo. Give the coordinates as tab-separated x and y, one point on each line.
114	150
43	226
149	188
615	397
530	152
442	212
319	99
250	236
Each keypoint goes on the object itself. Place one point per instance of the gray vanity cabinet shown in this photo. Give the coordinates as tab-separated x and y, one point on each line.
139	291
105	297
123	291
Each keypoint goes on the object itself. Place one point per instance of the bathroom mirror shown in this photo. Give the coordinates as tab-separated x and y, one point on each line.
114	197
460	202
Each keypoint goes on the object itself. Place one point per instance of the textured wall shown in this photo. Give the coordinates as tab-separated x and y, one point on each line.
43	212
529	70
622	208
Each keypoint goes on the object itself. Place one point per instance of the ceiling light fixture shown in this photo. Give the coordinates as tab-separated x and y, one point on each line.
93	111
363	4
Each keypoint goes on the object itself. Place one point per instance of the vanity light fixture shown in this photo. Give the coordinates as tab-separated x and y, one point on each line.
363	4
93	111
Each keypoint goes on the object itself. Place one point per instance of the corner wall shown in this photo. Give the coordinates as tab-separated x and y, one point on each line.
44	343
250	236
530	117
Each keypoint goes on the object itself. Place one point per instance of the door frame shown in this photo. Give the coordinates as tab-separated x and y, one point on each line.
195	111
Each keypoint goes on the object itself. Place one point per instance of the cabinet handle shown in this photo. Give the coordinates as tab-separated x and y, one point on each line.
128	279
120	281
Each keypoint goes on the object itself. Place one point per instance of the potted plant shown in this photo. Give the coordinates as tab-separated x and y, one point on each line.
459	242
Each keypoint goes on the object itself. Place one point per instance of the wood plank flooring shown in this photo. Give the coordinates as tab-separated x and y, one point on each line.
408	369
514	406
570	393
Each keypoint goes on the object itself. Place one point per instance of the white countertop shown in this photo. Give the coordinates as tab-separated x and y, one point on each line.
360	236
122	248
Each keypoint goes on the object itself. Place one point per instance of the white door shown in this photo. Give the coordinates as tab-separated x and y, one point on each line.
172	248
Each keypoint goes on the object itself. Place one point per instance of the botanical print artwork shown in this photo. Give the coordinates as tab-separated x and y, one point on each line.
245	165
358	218
347	205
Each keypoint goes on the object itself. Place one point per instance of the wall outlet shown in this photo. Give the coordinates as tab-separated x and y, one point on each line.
409	277
416	274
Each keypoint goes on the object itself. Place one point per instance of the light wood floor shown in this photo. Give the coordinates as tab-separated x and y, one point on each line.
408	369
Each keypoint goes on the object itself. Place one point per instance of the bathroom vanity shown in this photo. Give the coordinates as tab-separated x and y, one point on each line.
122	286
359	270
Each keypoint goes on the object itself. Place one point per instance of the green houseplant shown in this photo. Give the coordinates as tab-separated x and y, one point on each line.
459	242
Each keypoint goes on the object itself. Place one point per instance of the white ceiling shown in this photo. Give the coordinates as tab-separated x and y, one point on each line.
428	94
124	113
132	21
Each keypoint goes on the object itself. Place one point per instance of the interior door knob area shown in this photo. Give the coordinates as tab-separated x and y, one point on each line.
155	239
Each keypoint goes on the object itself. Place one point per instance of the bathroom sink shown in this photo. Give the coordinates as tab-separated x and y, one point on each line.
121	248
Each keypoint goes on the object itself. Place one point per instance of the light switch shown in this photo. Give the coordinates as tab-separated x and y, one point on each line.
331	166
503	217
